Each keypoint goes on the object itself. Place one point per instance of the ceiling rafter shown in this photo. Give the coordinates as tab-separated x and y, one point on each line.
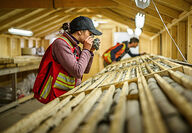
132	15
57	24
47	24
10	14
180	5
28	19
122	19
8	22
52	20
132	6
48	18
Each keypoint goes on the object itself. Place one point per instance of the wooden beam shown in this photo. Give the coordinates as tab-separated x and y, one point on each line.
48	18
26	4
189	46
34	18
132	15
10	14
165	10
4	12
18	17
53	27
181	39
162	9
173	47
85	3
47	23
175	21
122	19
124	4
29	18
180	5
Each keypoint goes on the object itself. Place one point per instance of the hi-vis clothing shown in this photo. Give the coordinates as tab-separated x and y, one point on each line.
107	54
52	80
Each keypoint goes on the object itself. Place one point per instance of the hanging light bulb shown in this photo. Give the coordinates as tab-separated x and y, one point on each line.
130	31
142	3
139	20
138	31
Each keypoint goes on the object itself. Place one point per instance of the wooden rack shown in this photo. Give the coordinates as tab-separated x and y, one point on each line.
121	98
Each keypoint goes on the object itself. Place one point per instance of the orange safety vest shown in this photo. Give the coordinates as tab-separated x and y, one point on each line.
107	54
52	80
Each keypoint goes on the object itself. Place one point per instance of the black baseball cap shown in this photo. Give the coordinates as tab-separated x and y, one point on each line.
83	23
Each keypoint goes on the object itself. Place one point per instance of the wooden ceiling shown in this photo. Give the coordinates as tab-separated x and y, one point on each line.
47	16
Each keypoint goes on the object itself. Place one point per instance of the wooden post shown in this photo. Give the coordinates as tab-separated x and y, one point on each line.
14	86
173	47
189	46
181	39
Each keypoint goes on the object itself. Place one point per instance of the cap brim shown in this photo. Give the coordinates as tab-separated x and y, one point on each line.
96	32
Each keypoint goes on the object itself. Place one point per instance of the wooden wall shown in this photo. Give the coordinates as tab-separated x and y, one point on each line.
10	46
181	31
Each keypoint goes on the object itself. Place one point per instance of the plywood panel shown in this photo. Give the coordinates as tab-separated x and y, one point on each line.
144	45
3	47
155	45
166	44
15	47
173	47
181	39
189	46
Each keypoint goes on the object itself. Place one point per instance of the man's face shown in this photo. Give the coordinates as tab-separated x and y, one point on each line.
134	44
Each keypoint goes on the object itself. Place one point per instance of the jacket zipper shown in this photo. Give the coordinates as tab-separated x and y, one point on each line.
49	67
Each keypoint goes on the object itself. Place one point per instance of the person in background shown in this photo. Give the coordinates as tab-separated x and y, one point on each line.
64	63
116	52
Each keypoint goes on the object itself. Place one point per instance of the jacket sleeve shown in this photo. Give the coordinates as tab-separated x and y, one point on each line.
133	55
89	64
64	56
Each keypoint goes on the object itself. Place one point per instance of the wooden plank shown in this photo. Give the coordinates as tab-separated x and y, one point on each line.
74	119
84	3
158	120
148	123
181	79
16	103
61	114
24	124
179	101
117	123
95	84
181	39
14	86
122	19
187	70
99	112
173	47
189	43
182	17
24	4
180	5
15	18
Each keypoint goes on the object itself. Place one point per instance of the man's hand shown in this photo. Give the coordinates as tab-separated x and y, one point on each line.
88	43
143	53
